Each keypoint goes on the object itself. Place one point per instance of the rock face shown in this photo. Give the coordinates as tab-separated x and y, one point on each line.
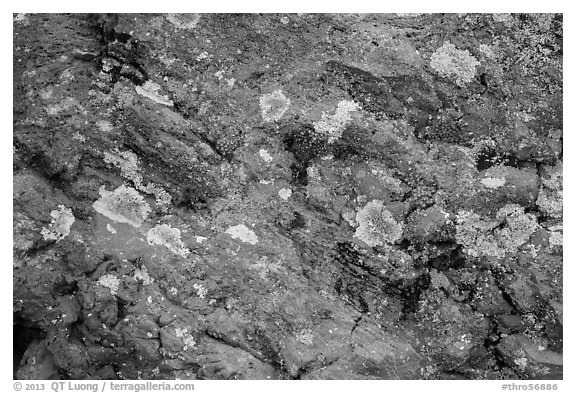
287	196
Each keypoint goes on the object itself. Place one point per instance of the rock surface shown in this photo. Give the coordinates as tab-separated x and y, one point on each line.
287	196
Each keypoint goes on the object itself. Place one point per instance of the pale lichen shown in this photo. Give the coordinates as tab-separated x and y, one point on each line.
488	51
21	18
550	198
151	90
453	63
184	21
59	228
124	205
556	237
142	274
243	233
104	125
201	292
273	105
305	336
127	162
111	282
79	137
187	338
493	182
169	237
265	155
285	193
376	225
488	237
332	126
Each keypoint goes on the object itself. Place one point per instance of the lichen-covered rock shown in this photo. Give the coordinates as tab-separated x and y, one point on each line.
458	64
124	205
376	225
303	196
500	185
530	359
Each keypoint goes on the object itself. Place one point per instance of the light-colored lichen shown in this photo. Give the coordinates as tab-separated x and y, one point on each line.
503	18
550	198
202	56
187	338
201	292
151	90
59	228
243	233
124	205
493	182
127	162
556	237
142	274
104	125
305	336
488	51
21	18
453	63
184	21
519	226
169	237
482	236
111	282
78	137
312	172
273	105
285	193
376	225
332	126
265	155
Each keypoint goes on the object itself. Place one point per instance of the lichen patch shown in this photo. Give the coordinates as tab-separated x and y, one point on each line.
124	205
59	228
494	237
273	105
169	237
184	21
332	126
111	282
151	90
376	225
493	182
243	233
453	63
265	155
285	193
127	162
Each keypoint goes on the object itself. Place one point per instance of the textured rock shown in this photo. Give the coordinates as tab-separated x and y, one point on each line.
305	196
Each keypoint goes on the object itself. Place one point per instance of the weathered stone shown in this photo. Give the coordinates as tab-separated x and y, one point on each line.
310	196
